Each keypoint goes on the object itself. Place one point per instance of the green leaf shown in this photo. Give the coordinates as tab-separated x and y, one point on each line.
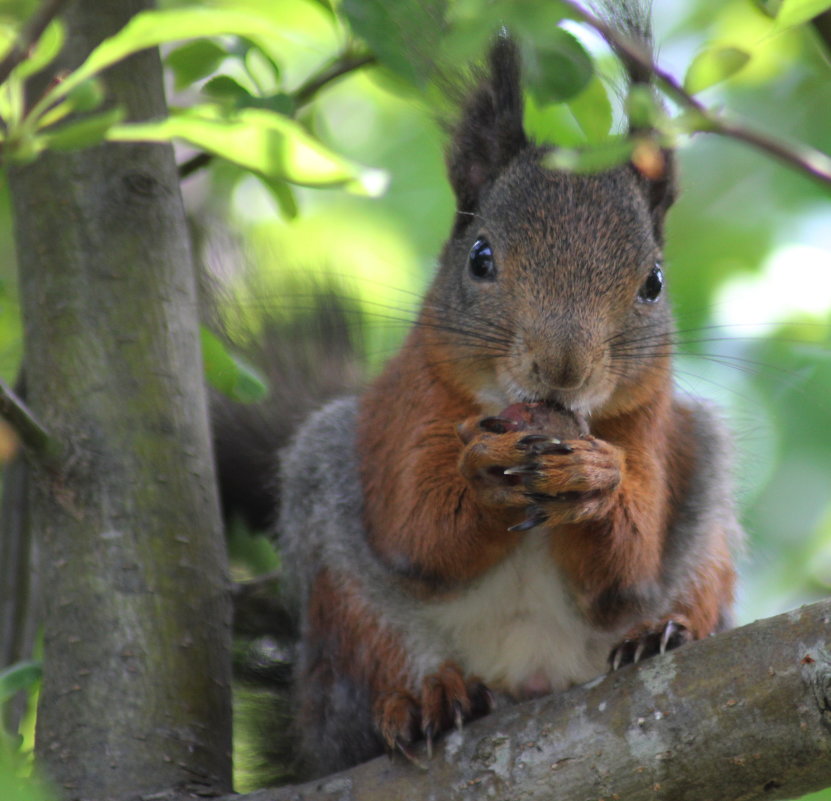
642	107
692	121
795	12
225	88
553	123
403	34
713	66
152	28
258	140
282	193
326	5
86	132
86	96
474	23
558	69
593	111
20	676
593	159
229	374
194	61
235	96
45	51
261	69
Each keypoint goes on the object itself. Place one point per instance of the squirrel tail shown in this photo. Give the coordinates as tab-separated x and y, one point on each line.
308	346
309	354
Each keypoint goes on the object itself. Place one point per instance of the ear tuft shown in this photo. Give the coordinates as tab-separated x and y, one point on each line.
490	133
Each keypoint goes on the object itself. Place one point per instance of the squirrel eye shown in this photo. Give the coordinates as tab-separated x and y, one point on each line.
651	289
480	261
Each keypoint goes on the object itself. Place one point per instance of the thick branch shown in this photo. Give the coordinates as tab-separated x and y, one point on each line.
803	158
745	715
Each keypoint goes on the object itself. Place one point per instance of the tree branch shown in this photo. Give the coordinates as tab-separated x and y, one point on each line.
343	65
745	715
35	438
803	158
29	36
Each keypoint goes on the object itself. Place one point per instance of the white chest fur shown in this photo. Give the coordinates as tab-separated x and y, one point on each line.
517	628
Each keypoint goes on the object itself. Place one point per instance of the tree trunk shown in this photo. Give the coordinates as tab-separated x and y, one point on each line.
18	582
744	716
135	693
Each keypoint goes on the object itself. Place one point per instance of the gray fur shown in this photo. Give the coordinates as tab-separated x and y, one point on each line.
708	507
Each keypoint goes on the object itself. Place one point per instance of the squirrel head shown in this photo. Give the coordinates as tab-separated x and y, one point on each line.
551	285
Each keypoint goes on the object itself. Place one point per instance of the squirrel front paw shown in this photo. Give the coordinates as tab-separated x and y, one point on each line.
447	699
556	480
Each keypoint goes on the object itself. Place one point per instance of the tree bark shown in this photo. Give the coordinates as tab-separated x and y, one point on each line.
135	693
738	717
18	582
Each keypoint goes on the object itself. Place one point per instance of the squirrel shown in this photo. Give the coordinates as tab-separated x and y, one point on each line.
521	499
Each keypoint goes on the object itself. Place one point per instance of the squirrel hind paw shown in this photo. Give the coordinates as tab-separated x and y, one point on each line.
448	699
644	642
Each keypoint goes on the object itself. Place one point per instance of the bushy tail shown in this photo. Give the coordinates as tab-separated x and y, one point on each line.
308	344
310	351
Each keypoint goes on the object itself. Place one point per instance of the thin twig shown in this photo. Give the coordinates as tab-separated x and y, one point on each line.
346	63
35	438
29	36
808	160
194	163
343	65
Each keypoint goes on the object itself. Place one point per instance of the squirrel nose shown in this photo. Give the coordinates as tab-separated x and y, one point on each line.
566	372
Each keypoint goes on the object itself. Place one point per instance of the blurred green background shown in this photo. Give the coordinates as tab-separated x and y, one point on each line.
748	255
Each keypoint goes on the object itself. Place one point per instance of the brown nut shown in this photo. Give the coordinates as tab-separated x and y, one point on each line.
545	418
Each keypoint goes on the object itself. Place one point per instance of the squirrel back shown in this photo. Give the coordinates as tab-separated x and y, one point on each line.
521	497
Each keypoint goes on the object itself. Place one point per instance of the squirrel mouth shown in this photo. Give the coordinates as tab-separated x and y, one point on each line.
583	401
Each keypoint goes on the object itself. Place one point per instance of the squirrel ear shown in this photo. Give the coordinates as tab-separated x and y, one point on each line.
660	190
489	133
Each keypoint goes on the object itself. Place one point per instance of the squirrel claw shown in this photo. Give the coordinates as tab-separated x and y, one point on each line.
536	517
670	629
404	749
428	737
554	446
531	440
649	642
541	444
497	425
458	716
531	469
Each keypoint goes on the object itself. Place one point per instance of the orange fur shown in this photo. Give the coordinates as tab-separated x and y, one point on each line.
420	514
358	642
436	519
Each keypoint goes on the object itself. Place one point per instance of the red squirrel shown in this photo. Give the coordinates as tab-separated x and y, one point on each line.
521	498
